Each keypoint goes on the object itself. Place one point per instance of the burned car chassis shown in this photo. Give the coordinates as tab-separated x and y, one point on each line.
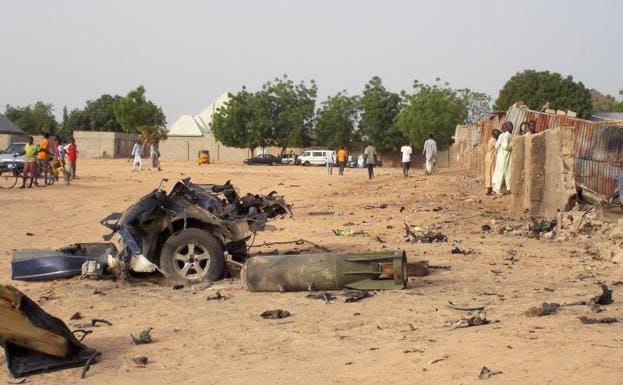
184	234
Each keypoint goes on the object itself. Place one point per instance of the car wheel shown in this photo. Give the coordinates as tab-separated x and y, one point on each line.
306	164
193	255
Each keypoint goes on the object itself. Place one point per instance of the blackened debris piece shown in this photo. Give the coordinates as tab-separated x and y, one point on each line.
607	320
417	234
605	298
486	373
34	341
96	321
547	308
486	228
275	314
474	318
356	295
325	296
143	338
217	297
140	360
541	226
458	250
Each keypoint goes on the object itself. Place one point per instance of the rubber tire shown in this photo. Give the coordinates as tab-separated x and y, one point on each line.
216	269
307	164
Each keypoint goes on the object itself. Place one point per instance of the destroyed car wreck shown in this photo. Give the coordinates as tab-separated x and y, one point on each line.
193	233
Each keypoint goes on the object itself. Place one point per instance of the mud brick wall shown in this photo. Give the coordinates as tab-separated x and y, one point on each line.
104	144
7	139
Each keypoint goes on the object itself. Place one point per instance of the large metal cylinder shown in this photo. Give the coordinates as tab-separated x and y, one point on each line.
326	271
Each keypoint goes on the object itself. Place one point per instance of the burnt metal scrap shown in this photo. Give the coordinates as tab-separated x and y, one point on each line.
35	341
185	234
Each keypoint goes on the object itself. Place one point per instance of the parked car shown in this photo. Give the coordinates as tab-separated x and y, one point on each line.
263	159
7	156
313	157
288	159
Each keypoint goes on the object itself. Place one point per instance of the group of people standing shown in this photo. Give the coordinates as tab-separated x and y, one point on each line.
38	155
154	156
498	157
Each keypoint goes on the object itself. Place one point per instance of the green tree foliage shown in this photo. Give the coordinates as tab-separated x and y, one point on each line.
33	119
242	121
432	110
280	114
379	109
336	120
608	104
97	115
135	110
537	89
290	110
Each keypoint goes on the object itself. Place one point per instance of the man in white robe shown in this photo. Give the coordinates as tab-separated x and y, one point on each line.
503	146
430	151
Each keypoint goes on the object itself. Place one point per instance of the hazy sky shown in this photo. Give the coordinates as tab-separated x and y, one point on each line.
187	53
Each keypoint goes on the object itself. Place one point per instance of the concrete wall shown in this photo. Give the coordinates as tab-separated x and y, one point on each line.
543	173
103	144
7	139
187	148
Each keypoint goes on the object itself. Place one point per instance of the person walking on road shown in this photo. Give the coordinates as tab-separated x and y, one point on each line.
30	150
406	152
370	155
342	155
330	159
138	160
430	151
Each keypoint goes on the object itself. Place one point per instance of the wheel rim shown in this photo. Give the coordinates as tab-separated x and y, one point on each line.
191	261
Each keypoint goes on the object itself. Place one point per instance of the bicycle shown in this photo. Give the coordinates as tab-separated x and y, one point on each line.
46	173
9	176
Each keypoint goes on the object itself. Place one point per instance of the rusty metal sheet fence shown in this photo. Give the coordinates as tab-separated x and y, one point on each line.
597	147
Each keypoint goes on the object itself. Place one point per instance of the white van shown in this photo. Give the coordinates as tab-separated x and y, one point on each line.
313	157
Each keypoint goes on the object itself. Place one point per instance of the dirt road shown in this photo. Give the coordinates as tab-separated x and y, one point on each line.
397	337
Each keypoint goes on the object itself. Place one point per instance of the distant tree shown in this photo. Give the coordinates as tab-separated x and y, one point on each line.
242	122
290	109
478	105
537	89
379	108
336	120
134	111
432	110
33	119
608	104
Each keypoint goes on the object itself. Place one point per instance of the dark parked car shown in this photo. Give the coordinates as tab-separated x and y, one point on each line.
263	159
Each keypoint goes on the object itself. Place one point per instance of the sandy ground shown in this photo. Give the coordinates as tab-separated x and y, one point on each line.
398	337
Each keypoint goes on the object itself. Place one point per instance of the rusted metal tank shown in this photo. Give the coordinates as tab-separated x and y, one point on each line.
326	271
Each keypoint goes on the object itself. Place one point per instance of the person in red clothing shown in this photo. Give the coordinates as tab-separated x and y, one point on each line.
72	156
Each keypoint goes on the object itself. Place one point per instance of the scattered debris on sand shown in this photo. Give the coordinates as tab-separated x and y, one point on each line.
605	298
545	309
417	234
474	318
589	321
275	314
143	338
486	373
